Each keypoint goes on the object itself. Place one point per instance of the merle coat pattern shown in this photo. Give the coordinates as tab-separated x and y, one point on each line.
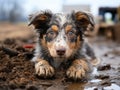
61	41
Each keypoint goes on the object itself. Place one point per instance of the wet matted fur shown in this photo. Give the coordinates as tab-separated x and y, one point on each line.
61	41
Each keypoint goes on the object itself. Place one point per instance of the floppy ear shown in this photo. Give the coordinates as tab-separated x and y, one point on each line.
40	19
83	20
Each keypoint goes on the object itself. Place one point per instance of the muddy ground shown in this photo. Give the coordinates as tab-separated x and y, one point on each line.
17	71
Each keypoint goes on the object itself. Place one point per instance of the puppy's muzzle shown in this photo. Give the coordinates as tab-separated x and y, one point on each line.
61	51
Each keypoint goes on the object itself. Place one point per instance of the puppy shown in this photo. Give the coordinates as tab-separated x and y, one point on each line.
60	42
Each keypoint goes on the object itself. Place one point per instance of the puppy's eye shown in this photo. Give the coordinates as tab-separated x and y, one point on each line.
71	36
71	33
51	34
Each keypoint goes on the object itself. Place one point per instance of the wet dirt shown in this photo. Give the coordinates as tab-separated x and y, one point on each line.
17	71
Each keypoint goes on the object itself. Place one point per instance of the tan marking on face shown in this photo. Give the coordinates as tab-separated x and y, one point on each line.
68	28
43	42
73	47
48	45
51	48
54	27
70	49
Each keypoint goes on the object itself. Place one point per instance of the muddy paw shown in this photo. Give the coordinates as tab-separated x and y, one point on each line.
78	70
75	73
43	69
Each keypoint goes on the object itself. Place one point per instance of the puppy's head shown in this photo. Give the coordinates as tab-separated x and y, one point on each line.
61	34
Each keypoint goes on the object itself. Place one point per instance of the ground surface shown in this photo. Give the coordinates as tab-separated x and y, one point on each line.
17	72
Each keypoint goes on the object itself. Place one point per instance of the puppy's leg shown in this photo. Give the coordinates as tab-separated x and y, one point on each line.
78	70
43	68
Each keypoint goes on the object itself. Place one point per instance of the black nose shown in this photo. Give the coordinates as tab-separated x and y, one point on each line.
61	52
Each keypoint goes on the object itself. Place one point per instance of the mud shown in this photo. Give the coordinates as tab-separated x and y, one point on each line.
17	71
104	67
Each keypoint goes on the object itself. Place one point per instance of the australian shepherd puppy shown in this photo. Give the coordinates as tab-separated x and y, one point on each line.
61	43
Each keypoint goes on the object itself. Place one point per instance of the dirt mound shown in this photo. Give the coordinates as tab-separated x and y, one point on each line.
16	69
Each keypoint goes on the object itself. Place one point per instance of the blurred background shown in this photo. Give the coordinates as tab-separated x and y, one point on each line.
106	14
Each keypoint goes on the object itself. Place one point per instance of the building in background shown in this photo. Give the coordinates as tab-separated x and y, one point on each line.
80	7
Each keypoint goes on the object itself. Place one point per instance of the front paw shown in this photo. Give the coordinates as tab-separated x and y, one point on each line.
44	69
78	70
75	73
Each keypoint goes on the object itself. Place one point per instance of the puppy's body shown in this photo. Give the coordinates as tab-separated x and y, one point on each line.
61	41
